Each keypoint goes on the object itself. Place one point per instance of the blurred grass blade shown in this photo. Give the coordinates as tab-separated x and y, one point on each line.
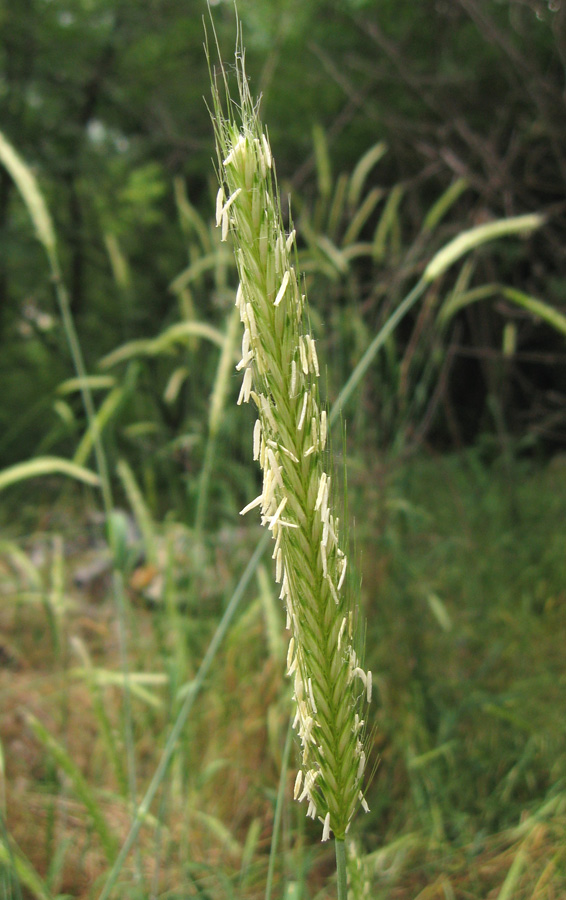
27	185
322	159
2	781
475	237
216	408
12	858
362	170
439	611
190	219
182	330
538	308
508	889
140	510
112	748
376	344
204	264
458	300
93	382
250	848
46	465
336	210
26	570
439	209
272	615
332	253
387	223
118	262
107	411
163	343
219	831
361	215
132	682
79	784
176	381
33	198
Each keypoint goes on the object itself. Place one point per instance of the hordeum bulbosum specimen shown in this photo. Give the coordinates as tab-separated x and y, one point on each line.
280	375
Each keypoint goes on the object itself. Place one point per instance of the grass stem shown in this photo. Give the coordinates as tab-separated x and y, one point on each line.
341	873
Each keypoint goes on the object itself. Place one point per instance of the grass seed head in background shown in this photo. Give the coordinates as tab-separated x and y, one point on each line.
280	376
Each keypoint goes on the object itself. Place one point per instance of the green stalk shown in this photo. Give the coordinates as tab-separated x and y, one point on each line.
375	345
341	871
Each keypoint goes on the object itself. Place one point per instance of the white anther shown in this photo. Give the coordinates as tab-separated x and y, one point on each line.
303	355
303	412
219	205
322	490
246	387
257	502
288	453
273	519
298	782
326	829
237	148
311	695
245	361
323	429
266	150
290	652
275	467
230	201
282	289
293	379
257	438
361	675
341	632
342	573
312	355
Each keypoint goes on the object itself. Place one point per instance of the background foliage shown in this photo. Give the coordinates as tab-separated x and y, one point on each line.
105	99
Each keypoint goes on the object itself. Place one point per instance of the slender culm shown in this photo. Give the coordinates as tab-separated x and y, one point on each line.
280	376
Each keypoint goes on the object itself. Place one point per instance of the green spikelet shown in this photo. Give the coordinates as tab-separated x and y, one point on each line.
280	375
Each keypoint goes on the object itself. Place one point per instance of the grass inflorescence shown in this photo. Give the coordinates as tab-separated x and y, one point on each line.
281	377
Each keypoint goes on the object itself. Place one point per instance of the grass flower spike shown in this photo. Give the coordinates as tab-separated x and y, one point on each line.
280	376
